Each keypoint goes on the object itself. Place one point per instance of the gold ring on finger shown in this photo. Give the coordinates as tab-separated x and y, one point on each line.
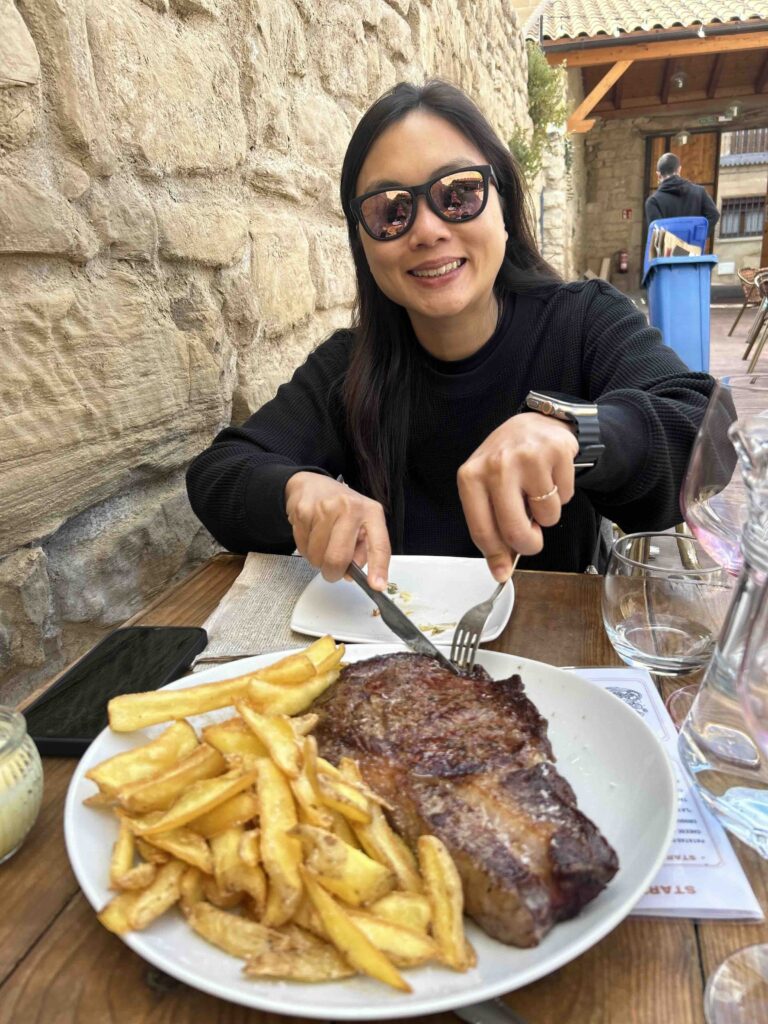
543	497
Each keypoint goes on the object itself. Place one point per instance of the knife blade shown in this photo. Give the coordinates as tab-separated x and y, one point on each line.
398	622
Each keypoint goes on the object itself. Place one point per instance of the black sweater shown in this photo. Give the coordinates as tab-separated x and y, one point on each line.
583	339
678	197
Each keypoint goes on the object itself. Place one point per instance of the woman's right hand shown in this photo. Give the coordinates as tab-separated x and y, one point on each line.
334	525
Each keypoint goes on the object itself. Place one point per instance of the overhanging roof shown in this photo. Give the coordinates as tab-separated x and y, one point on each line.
574	19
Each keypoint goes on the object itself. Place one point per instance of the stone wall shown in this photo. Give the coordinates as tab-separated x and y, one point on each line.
171	247
732	183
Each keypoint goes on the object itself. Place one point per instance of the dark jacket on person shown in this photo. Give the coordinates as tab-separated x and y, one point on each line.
582	339
678	197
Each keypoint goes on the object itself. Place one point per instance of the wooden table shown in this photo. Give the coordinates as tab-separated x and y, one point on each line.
59	966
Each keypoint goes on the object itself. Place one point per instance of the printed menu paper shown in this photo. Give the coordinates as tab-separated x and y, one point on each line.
702	876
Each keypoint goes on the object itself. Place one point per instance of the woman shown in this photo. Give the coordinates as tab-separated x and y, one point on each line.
414	430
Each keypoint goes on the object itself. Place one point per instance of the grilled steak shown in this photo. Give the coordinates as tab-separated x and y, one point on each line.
468	759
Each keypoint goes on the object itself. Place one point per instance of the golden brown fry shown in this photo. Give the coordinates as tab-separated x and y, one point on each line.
280	851
343	797
332	661
410	909
100	799
185	845
276	734
311	810
446	897
289	671
216	895
303	724
234	934
159	792
139	877
307	959
197	799
343	829
383	844
404	946
123	852
145	761
133	911
132	711
234	737
321	649
225	848
274	699
238	810
349	939
250	847
150	853
191	888
342	869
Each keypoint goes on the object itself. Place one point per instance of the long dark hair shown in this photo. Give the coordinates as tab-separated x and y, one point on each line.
378	388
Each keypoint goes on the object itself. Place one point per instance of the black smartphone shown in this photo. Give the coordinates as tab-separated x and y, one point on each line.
74	711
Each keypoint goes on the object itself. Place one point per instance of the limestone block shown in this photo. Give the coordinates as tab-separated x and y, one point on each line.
280	271
73	181
394	34
27	632
322	131
340	45
280	38
36	220
111	559
100	391
59	30
271	177
171	93
19	113
209	7
401	6
332	268
200	232
124	219
161	6
19	62
236	287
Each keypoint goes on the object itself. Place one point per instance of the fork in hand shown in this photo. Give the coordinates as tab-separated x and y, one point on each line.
466	638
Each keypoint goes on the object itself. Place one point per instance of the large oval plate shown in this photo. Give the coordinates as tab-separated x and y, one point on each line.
623	781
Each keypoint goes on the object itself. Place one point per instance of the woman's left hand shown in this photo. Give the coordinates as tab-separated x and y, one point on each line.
515	483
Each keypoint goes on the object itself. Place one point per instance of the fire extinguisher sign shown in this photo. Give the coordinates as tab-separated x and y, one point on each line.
626	214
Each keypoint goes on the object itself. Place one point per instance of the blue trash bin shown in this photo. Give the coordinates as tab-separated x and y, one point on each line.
693	230
678	305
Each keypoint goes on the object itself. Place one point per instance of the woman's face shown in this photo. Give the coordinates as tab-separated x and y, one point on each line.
410	152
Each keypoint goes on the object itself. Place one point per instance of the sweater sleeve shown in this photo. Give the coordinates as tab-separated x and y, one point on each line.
650	407
236	487
709	209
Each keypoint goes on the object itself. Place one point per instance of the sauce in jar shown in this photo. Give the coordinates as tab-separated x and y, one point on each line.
21	782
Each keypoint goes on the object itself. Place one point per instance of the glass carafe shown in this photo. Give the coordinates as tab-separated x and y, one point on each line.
715	745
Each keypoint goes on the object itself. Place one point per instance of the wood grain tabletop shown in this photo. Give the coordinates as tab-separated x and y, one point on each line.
58	965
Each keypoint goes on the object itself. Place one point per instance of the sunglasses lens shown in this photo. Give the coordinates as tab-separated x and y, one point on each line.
459	196
387	214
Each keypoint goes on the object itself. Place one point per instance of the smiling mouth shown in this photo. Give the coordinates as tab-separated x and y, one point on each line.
439	271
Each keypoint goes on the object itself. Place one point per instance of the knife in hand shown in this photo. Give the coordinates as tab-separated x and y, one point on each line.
398	622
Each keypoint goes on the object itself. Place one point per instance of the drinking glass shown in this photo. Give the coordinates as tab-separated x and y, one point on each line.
664	601
737	992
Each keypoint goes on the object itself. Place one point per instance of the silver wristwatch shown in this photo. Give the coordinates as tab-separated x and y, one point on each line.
584	417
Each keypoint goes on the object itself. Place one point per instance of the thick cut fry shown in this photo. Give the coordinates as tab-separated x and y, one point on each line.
321	649
132	711
100	799
213	893
234	934
150	853
410	909
276	734
303	724
250	847
289	671
273	699
383	844
307	959
123	852
159	792
349	939
238	810
446	898
132	911
145	761
404	946
332	661
139	877
343	797
185	845
311	810
199	798
280	851
343	829
191	889
343	870
234	737
225	848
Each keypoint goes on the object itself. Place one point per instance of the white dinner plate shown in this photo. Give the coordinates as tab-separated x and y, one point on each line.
623	781
433	591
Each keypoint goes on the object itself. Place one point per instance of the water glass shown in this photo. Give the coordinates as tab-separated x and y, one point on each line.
664	601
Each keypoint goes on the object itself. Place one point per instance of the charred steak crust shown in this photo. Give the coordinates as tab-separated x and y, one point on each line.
468	759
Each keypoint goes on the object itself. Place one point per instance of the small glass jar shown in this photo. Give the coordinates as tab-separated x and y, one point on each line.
21	782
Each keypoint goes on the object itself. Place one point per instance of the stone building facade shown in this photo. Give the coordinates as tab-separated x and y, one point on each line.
171	247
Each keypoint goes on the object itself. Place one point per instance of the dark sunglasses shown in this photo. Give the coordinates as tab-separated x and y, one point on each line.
455	197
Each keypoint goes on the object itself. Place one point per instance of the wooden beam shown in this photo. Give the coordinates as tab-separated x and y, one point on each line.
666	81
762	77
690	106
576	122
657	50
618	94
714	75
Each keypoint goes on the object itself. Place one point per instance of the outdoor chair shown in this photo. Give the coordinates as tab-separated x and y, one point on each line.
751	296
759	328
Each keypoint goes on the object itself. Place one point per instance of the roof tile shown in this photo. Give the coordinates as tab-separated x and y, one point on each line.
569	19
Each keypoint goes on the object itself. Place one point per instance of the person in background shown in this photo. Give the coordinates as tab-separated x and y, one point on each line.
678	197
478	405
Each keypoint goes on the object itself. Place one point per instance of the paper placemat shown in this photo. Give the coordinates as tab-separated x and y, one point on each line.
254	615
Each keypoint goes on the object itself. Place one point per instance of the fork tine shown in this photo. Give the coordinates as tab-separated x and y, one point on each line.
466	638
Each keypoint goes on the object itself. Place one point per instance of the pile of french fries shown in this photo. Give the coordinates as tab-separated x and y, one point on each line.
272	853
